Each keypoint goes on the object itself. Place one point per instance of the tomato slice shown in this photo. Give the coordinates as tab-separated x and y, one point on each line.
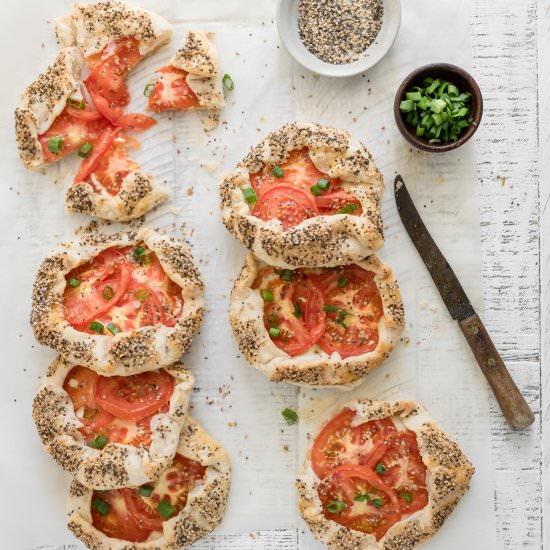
334	202
134	397
136	121
286	203
173	486
100	146
83	114
171	92
118	522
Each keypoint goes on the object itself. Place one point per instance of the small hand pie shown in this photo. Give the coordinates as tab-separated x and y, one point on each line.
380	476
306	196
316	326
184	505
116	431
119	304
191	80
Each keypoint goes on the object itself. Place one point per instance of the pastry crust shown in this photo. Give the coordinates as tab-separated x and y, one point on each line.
448	478
116	465
147	348
43	101
315	367
322	241
199	58
201	515
139	193
91	27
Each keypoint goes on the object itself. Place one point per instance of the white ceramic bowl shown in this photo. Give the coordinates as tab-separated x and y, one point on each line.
287	23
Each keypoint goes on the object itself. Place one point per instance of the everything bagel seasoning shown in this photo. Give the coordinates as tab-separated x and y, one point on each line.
339	31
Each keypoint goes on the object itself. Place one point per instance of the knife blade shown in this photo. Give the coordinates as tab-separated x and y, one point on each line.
511	401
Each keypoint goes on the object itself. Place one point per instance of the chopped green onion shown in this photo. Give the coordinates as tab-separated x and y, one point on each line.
406	496
140	255
323	184
330	308
76	103
141	294
148	90
228	83
55	144
362	498
145	491
297	310
96	326
273	320
249	195
316	190
287	275
377	503
290	416
406	106
85	150
348	209
165	509
108	292
342	314
113	329
267	295
100	506
274	332
414	96
380	469
74	282
277	171
99	442
342	282
335	507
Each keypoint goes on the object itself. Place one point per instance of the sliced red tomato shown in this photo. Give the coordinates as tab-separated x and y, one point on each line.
100	146
286	203
308	293
335	202
117	523
136	121
173	486
83	114
134	397
171	92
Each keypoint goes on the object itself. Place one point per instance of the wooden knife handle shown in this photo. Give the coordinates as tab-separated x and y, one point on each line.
513	405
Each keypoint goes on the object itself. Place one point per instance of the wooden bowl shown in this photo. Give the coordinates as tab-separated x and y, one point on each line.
465	83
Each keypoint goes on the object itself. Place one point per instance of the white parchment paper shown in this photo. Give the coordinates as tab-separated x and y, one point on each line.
235	403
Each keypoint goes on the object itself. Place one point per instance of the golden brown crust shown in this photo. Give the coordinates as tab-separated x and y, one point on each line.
314	368
43	101
203	512
149	347
448	478
322	241
91	27
115	465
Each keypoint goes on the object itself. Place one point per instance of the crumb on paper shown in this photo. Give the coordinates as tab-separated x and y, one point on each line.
440	179
232	424
406	340
210	166
502	180
189	191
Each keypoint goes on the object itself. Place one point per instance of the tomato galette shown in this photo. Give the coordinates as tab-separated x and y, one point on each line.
186	503
112	431
119	304
191	80
316	326
380	475
306	196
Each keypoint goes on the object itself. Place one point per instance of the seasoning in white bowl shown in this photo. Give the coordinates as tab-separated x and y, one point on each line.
339	31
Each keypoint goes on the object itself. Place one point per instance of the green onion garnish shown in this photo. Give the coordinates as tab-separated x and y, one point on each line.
113	329
316	190
145	491
141	294
342	314
336	507
380	469
108	292
377	503
76	103
297	310
85	150
362	498
274	332
249	195
148	90
348	209
74	282
267	295
330	308
273	320
165	509
277	171
406	496
140	255
323	184
100	506
55	144
437	110
287	275
228	83
99	442
290	416
96	326
342	282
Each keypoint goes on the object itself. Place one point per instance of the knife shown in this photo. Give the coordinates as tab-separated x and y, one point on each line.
514	407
